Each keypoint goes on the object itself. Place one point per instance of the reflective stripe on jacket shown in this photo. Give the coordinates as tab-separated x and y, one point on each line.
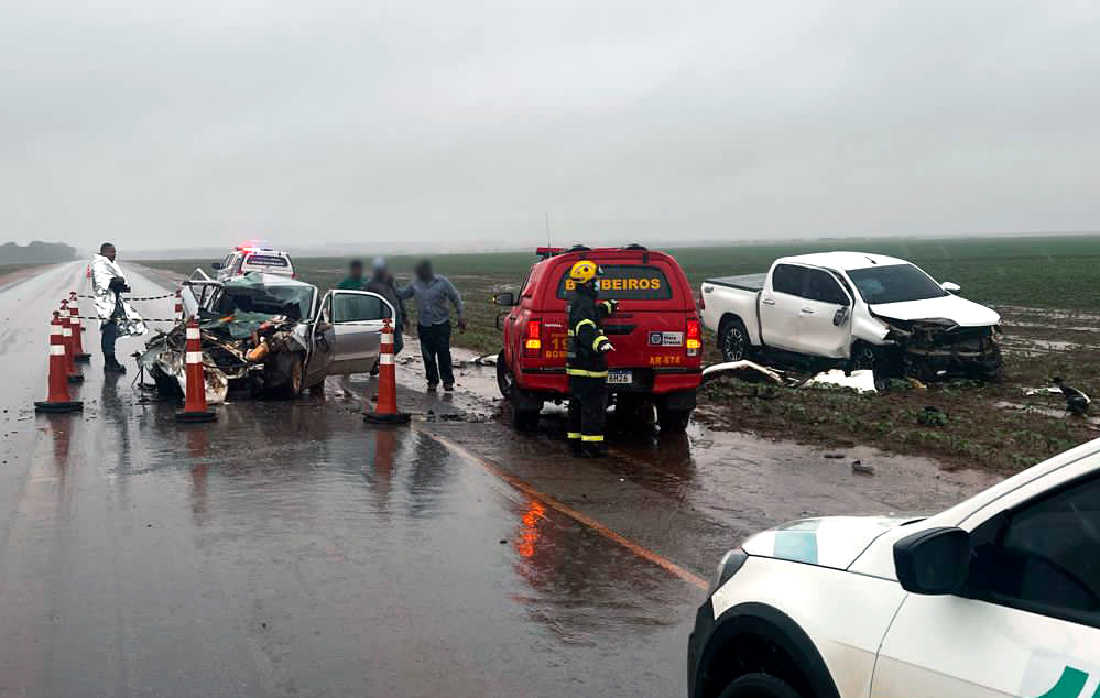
586	337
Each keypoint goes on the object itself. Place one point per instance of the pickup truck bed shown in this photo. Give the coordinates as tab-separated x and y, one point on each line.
746	282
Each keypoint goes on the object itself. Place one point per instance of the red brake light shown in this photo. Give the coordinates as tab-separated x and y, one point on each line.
532	344
693	344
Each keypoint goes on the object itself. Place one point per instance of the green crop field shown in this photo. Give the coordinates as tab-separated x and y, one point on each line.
1054	271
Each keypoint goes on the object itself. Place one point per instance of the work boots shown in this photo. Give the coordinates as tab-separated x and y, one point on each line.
111	365
587	449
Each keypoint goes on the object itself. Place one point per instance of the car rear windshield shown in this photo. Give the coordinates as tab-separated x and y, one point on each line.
894	283
266	260
638	282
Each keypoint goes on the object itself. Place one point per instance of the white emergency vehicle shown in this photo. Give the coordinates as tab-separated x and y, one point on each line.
254	256
997	596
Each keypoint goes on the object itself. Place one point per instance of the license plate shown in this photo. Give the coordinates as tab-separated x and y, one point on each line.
620	377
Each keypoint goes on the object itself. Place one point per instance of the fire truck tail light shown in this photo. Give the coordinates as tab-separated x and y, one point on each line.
532	344
692	335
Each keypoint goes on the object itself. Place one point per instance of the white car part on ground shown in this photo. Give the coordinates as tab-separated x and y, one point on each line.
862	381
744	370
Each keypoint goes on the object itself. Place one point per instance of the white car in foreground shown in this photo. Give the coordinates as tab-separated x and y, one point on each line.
997	596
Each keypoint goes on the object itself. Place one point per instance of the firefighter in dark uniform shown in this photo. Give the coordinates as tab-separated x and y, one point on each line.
586	362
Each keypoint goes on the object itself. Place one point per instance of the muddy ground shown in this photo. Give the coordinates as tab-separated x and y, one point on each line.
991	425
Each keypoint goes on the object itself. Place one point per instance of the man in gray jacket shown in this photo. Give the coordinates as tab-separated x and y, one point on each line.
433	319
382	283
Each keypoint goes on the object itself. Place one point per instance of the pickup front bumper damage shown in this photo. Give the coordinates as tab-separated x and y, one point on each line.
933	348
253	361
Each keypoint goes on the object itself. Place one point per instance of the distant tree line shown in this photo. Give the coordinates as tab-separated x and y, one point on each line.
36	252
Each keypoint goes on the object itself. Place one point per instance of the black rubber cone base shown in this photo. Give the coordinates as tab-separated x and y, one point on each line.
56	407
196	417
398	418
82	358
76	378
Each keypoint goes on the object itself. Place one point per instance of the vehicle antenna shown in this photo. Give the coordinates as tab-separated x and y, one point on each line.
548	229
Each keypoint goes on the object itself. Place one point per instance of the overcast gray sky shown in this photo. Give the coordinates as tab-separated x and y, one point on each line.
204	122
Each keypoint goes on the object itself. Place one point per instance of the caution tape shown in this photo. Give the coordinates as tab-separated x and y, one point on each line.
134	298
96	317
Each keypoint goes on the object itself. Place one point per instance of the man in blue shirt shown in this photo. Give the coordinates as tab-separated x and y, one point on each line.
433	320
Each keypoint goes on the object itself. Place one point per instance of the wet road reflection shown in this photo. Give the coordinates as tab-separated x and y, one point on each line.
287	549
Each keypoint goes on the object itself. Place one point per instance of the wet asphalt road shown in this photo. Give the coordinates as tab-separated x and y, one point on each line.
290	550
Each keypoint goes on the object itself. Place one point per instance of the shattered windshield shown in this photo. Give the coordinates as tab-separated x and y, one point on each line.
249	294
894	283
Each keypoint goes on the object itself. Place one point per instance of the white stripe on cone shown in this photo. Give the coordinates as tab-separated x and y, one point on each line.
385	359
67	331
194	357
57	350
55	330
192	333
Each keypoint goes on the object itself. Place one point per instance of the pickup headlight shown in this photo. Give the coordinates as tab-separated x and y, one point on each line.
727	567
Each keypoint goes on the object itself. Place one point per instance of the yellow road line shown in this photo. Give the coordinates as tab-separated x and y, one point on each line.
636	549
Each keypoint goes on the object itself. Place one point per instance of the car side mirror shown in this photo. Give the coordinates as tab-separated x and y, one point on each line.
950	287
933	562
841	315
505	298
217	266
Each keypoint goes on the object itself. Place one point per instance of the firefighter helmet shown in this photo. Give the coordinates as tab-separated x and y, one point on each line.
584	271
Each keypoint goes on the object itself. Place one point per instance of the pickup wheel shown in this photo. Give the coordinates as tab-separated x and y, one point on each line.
862	358
506	380
733	340
525	409
673	421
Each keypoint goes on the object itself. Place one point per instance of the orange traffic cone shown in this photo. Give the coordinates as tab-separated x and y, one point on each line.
74	324
57	398
179	306
75	376
385	411
194	406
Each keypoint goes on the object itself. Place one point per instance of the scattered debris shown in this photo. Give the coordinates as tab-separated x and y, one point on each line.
1077	403
487	360
931	416
859	467
860	381
745	370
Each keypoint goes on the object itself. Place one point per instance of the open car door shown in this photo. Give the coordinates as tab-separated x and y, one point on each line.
356	319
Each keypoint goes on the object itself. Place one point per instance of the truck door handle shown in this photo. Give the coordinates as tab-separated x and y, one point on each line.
808	311
768	301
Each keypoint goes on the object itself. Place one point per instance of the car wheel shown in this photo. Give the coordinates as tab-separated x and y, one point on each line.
862	358
733	340
296	377
759	686
526	420
673	421
506	381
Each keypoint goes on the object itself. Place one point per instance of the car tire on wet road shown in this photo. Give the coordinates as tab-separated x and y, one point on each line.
758	686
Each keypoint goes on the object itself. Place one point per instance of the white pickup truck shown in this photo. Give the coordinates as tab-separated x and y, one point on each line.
856	311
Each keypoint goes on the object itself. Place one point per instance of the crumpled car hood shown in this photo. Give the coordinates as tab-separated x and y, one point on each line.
961	311
830	541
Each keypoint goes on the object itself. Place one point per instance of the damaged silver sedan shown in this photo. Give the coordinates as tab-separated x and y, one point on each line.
270	335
